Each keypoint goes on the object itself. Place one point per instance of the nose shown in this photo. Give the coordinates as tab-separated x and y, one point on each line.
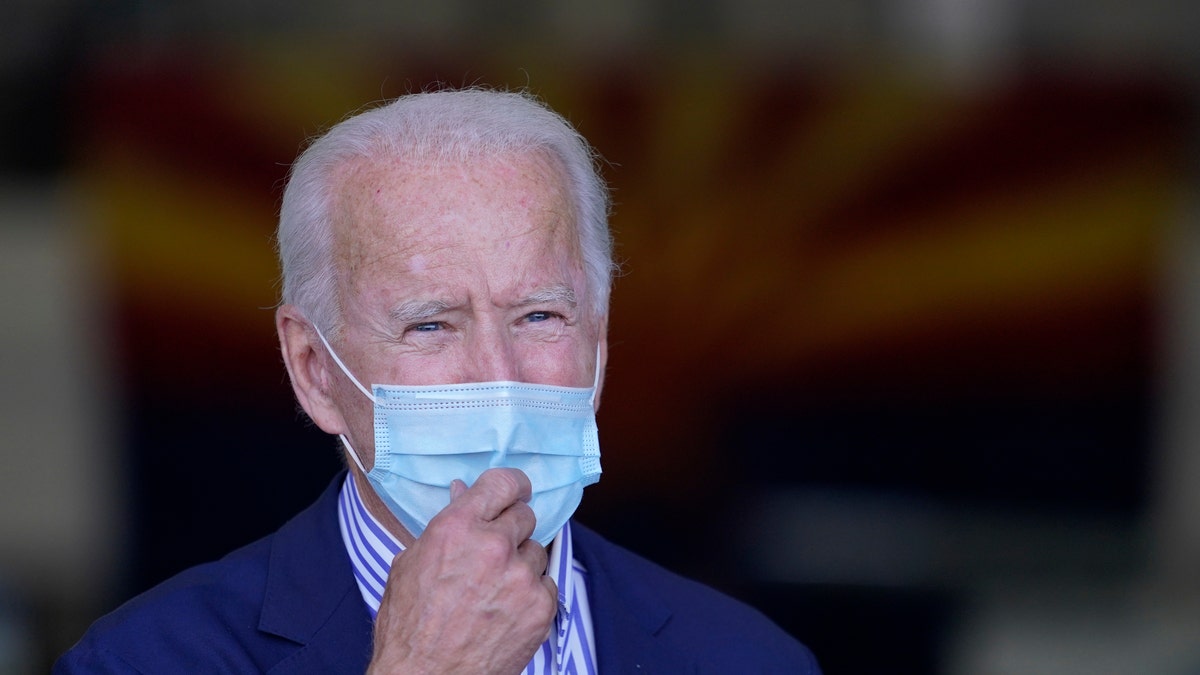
492	358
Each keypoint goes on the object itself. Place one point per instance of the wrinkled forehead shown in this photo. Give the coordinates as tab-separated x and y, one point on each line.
386	206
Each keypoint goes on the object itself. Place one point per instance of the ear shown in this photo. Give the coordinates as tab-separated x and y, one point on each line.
308	364
601	360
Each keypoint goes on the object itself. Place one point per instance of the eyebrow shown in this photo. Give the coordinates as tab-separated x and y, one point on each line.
417	310
559	293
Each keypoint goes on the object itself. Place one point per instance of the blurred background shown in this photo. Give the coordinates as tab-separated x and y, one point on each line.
904	349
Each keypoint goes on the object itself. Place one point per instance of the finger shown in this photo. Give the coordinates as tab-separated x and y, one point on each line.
552	590
534	556
516	522
550	586
457	487
495	491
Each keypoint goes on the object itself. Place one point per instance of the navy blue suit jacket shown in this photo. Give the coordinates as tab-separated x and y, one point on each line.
288	603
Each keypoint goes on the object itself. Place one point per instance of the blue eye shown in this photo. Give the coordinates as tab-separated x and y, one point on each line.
426	327
534	317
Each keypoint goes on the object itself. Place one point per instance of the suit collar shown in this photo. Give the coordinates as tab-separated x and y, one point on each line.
311	599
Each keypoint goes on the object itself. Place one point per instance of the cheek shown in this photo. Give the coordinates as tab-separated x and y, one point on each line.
560	363
446	366
358	413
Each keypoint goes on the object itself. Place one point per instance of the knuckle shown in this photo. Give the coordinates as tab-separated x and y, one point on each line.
493	549
447	522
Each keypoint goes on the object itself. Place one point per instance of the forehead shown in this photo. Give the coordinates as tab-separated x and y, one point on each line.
386	208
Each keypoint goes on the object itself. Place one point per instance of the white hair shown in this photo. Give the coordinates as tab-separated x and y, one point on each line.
446	125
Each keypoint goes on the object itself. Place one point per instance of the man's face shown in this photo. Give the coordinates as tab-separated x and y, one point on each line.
457	273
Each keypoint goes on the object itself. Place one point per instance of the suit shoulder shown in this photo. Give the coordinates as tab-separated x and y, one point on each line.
702	620
205	614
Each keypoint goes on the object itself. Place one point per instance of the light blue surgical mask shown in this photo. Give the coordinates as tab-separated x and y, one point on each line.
427	436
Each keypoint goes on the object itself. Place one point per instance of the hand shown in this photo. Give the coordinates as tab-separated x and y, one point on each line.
470	595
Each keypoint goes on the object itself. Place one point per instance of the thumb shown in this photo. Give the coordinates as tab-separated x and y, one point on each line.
457	487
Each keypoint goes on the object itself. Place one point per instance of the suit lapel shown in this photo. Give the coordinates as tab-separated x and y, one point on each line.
311	598
628	616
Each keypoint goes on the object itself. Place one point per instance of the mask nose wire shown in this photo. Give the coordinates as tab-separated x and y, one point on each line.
366	392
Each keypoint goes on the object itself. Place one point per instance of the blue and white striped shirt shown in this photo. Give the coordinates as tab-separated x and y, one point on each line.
570	649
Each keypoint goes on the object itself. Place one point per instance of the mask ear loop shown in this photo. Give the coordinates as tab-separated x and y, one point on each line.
346	441
595	379
366	392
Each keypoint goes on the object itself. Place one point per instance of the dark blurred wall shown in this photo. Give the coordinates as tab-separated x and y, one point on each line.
874	325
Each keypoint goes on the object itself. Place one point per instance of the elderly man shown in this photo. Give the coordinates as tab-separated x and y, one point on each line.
446	263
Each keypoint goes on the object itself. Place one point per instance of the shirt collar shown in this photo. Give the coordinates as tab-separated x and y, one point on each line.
371	549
